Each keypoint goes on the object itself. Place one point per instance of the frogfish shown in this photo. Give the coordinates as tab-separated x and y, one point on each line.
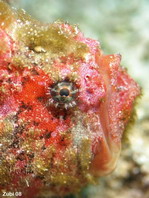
64	107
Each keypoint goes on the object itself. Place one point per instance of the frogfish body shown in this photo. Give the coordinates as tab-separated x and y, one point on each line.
64	107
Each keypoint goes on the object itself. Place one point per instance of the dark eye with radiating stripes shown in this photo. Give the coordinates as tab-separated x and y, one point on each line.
64	94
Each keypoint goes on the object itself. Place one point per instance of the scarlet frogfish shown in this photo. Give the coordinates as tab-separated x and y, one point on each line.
64	106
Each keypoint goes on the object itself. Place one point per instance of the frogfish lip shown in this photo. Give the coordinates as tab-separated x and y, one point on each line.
114	113
105	159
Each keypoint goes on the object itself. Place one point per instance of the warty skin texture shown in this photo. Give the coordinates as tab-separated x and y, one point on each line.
54	141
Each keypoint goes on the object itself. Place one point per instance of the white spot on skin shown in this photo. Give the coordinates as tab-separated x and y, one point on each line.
27	183
39	49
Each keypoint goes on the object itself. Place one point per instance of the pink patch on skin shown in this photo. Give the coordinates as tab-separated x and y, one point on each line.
6	46
92	89
8	107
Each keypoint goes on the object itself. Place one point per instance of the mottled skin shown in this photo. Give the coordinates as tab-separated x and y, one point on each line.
45	148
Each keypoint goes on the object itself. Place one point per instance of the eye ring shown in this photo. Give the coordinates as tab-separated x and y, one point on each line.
63	94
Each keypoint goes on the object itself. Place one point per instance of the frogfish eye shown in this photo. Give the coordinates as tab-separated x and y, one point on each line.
64	94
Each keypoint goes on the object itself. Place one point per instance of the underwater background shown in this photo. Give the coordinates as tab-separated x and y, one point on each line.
121	27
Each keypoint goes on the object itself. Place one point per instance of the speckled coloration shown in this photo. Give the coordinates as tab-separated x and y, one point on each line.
64	106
